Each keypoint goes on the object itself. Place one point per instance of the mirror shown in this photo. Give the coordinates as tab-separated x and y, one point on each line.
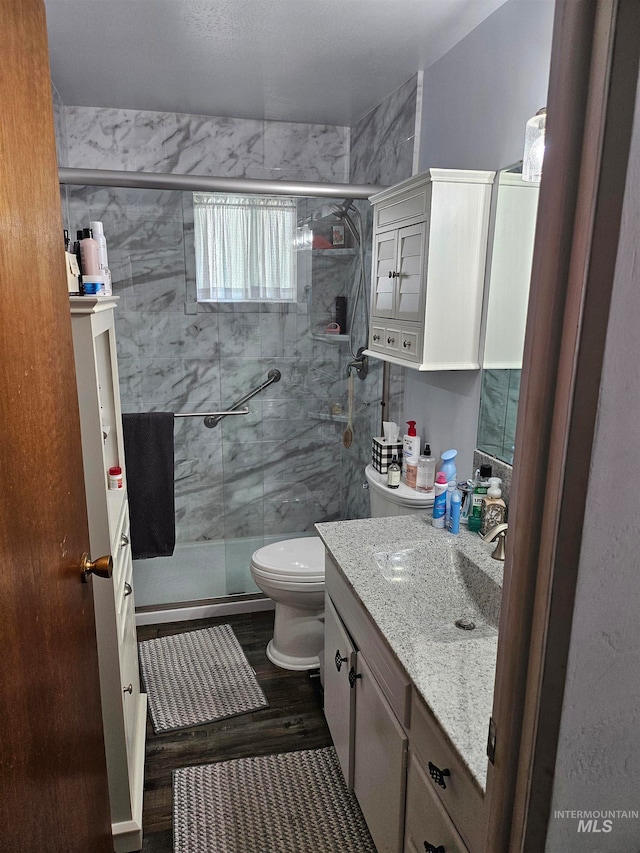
508	275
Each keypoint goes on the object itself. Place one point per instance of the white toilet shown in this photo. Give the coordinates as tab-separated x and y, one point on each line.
291	573
400	501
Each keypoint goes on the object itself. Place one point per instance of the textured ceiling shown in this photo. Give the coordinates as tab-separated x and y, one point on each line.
324	61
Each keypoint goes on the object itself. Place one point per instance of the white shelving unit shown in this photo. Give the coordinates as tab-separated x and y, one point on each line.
124	707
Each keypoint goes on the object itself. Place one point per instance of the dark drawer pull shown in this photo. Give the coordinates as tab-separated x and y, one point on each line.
128	689
406	344
339	660
391	340
128	589
376	337
429	848
353	677
438	775
394	274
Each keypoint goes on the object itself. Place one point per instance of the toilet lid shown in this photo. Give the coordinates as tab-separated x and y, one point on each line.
302	558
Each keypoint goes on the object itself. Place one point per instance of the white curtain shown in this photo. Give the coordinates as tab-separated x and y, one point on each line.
244	247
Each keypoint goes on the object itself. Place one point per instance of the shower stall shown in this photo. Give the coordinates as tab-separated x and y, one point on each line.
272	474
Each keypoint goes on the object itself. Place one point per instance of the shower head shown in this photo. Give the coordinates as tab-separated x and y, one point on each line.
340	210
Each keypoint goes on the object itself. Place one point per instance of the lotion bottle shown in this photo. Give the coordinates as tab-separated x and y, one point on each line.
410	446
103	259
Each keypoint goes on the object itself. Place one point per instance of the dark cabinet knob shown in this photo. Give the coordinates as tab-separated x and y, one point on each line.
339	660
376	337
429	848
438	775
406	344
391	340
353	677
393	274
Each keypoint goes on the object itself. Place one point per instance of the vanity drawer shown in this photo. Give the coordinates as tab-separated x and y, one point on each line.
390	676
409	343
462	797
427	825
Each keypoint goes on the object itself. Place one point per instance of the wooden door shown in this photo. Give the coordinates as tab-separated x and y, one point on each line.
53	783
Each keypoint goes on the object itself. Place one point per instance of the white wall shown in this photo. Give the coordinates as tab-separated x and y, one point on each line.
476	101
598	760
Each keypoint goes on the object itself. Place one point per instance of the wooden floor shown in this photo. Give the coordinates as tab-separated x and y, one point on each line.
293	720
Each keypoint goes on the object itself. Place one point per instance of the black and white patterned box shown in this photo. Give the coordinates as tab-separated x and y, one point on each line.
383	451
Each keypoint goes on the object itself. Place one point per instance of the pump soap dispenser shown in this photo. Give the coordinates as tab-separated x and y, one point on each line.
410	447
493	506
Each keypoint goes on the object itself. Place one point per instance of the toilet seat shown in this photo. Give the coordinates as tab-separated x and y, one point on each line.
294	560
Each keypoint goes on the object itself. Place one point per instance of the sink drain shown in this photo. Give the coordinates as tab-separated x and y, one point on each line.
465	624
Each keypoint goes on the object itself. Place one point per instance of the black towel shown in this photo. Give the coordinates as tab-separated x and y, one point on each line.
148	453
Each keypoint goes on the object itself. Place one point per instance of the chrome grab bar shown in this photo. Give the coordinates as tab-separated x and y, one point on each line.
244	411
213	419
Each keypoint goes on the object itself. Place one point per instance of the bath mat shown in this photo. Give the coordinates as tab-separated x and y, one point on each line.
197	677
293	802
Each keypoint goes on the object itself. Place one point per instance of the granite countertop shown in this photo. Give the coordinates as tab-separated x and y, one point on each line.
415	581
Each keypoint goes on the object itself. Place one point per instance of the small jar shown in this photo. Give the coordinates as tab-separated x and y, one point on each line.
412	472
115	477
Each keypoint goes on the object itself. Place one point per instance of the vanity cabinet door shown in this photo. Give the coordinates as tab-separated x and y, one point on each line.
427	826
339	698
385	274
380	748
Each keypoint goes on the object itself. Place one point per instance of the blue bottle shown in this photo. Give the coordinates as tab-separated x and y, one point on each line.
454	516
439	501
448	466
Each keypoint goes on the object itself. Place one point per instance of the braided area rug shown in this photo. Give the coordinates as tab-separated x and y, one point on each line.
197	677
294	802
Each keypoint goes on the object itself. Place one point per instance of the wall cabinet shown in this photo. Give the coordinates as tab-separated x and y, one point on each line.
124	707
413	788
428	268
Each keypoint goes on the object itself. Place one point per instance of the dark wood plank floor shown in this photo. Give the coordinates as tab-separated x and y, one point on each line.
293	720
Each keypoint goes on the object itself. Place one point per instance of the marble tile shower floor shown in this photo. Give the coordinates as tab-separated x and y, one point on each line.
199	570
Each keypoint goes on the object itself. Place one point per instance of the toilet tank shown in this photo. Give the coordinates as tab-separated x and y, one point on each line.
388	502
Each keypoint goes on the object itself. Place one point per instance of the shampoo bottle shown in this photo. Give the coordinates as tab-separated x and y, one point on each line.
493	506
439	500
89	253
410	446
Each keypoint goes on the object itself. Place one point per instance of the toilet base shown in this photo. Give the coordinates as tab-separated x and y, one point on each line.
298	634
289	662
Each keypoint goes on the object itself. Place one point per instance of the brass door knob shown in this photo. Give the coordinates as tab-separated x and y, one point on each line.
102	567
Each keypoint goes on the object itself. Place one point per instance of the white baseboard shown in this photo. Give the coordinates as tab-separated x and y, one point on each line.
203	611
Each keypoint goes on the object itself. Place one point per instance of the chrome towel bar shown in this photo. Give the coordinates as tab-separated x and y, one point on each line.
244	411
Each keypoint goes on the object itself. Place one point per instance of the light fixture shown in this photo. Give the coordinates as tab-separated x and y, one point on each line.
534	146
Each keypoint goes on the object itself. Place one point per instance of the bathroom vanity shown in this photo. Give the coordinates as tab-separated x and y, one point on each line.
408	683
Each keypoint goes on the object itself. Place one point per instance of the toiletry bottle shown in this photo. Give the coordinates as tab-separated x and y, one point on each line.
71	265
341	313
448	466
89	253
393	474
426	471
76	250
493	506
466	490
410	446
412	472
103	258
480	489
454	515
439	500
451	488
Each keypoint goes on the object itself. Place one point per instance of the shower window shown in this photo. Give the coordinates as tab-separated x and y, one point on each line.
245	248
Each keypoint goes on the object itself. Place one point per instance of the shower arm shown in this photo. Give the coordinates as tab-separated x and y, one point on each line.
273	375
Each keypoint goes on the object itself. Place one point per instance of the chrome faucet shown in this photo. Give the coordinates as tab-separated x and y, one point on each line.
498	532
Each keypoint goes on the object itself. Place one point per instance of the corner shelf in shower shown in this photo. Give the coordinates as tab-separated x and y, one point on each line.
329	338
325	416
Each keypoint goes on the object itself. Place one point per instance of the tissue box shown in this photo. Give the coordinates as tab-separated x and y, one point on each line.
382	452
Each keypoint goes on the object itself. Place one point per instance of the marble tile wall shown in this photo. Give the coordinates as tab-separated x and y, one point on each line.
283	467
